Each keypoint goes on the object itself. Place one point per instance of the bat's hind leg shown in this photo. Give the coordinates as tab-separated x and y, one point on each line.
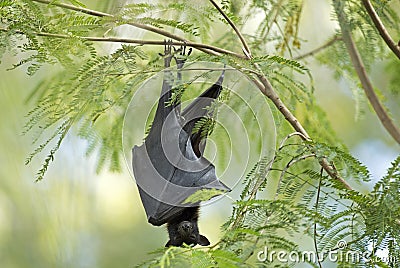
167	53
180	56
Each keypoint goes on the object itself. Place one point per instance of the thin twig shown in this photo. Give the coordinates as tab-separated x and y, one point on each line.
306	181
252	195
358	64
315	223
246	48
274	19
319	49
288	165
281	145
381	28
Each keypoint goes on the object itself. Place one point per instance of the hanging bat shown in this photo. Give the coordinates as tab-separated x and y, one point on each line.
169	167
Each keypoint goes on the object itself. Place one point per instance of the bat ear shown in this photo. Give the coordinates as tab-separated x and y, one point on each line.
203	241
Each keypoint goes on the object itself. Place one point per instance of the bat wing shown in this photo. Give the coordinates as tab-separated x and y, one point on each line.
197	110
166	168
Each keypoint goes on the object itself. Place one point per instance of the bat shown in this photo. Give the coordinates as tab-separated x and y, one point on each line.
169	166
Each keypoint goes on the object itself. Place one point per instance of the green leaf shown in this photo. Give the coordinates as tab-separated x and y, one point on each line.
202	195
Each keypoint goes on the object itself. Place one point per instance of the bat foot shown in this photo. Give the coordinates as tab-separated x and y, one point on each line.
167	53
181	56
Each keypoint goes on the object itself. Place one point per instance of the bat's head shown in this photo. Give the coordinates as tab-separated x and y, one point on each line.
188	233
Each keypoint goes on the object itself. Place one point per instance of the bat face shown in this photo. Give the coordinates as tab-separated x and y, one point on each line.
186	232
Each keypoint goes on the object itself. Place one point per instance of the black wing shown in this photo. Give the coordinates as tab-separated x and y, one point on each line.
166	168
197	110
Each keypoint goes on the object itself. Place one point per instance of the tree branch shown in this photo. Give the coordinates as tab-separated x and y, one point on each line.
246	48
129	41
267	89
355	57
319	49
381	28
209	50
75	8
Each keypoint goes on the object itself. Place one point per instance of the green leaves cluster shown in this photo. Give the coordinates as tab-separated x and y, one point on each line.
98	92
155	14
306	206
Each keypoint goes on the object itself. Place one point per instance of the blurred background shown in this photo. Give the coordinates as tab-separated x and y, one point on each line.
78	218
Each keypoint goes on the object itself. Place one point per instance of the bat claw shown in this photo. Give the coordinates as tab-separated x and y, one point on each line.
182	55
167	53
181	52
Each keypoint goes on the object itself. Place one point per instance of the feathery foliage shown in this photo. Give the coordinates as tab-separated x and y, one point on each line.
288	203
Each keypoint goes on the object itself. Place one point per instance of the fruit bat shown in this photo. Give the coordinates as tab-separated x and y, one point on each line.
169	166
